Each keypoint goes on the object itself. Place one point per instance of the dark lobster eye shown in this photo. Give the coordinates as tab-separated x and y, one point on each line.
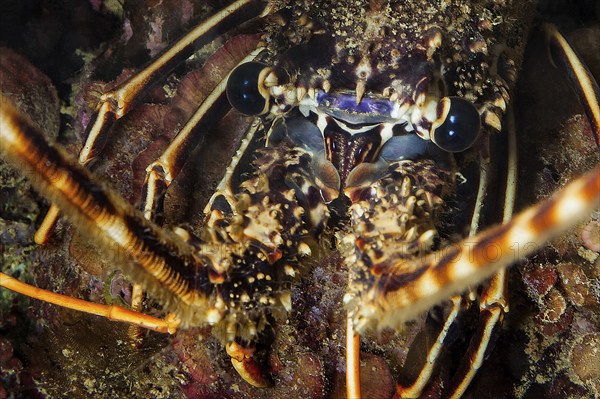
461	126
243	89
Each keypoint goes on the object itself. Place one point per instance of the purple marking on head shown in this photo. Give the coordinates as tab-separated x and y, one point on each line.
347	103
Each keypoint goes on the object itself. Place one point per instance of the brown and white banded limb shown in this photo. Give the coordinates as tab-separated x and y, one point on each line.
159	259
415	388
394	298
494	291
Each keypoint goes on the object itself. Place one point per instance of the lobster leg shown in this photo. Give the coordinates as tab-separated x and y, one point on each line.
116	103
392	217
243	361
165	169
492	309
493	303
161	172
414	389
581	79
